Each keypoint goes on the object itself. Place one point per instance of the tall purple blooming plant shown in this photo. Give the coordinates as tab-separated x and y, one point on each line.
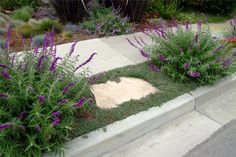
186	55
38	93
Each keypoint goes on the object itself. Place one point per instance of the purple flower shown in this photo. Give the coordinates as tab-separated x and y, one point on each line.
37	127
61	102
40	61
194	74
53	65
56	122
144	54
55	114
218	49
5	74
186	65
5	126
196	38
65	90
162	58
132	43
72	49
154	68
226	63
80	102
86	62
41	99
136	39
199	25
2	95
22	115
98	26
22	127
142	41
4	66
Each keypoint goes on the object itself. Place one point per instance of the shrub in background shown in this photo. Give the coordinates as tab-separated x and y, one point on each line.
211	6
23	14
186	55
69	27
16	4
105	21
40	95
165	8
134	9
70	10
46	25
26	29
38	40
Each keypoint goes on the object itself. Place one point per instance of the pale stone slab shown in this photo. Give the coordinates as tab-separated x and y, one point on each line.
173	139
221	109
106	58
112	94
121	45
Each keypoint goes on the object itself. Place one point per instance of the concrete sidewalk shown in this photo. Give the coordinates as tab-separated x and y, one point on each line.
176	138
115	52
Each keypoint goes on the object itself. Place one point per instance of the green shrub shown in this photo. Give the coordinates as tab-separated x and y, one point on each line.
104	21
26	30
211	6
40	96
38	40
2	21
3	31
2	43
186	55
46	25
23	14
16	4
166	9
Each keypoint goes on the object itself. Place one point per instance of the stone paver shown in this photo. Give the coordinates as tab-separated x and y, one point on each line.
171	140
106	58
221	109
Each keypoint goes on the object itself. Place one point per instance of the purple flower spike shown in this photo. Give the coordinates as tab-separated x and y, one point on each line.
2	95
22	115
40	61
227	63
186	66
162	58
144	54
199	25
4	66
41	99
86	62
56	122
136	39
132	43
5	126
55	114
218	49
196	38
37	127
66	89
53	65
194	74
5	74
63	101
72	49
22	39
80	102
154	68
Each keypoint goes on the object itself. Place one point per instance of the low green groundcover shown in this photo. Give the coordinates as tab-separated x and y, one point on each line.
168	90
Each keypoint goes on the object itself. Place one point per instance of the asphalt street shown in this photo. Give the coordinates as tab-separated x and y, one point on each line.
221	144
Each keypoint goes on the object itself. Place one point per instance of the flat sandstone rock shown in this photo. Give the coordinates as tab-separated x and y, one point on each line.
112	94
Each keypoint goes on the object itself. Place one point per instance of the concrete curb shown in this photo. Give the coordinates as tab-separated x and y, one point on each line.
101	141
